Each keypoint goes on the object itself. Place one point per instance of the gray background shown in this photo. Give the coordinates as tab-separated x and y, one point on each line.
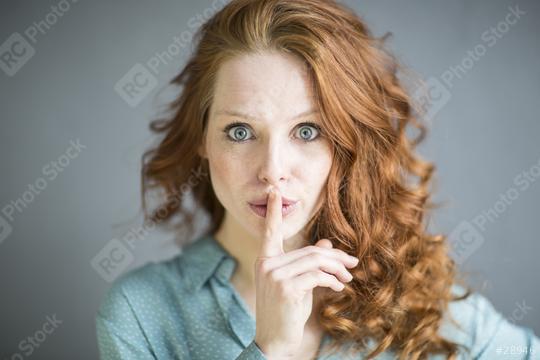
484	134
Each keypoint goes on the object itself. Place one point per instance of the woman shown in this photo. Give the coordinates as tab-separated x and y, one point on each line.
316	246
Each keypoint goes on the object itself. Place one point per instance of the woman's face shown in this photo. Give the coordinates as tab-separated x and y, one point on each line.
274	143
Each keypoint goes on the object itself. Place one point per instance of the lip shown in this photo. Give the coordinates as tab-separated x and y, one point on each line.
286	210
263	201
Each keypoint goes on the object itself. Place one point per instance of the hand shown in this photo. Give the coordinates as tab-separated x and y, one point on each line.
285	282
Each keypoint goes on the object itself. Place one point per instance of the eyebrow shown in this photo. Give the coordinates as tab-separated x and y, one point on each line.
254	118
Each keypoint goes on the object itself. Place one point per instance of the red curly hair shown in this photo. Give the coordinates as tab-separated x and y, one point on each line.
402	285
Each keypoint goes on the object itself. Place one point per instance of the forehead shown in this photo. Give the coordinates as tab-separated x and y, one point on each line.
265	84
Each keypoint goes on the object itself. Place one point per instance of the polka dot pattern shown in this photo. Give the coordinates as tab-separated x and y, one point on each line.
186	308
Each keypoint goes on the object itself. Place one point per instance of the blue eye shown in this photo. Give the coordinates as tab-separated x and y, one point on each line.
238	132
306	132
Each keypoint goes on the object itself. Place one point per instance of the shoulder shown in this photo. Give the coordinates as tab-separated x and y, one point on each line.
166	285
140	310
146	286
475	323
475	311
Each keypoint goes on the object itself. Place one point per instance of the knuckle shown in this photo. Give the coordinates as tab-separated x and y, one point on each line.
341	269
312	275
338	268
275	275
317	250
283	288
317	257
319	276
262	265
343	255
333	279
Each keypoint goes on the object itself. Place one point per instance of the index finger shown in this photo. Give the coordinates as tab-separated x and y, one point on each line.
273	236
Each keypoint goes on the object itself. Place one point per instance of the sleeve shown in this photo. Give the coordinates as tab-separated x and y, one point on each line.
498	338
251	352
119	333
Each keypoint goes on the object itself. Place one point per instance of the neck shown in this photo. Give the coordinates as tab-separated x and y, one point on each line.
245	248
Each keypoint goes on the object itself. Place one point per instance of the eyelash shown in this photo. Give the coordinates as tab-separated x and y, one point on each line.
240	124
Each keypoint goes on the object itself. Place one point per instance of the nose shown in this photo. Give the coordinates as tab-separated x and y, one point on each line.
273	164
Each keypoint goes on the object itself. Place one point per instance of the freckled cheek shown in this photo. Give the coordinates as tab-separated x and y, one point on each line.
227	168
315	172
316	165
313	177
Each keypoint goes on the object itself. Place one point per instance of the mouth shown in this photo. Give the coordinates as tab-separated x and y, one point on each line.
264	200
286	209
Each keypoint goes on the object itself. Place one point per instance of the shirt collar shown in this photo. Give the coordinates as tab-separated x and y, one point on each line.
205	258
